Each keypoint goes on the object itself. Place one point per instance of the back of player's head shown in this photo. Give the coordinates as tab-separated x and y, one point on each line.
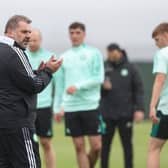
160	29
77	25
12	23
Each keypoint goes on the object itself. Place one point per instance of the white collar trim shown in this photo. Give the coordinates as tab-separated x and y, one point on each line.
7	40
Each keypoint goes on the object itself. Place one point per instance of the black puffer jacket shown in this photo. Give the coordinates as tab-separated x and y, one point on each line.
126	95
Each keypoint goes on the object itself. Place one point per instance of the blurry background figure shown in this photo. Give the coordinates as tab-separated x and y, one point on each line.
38	55
122	103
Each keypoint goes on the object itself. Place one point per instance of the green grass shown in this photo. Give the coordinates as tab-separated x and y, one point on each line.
65	154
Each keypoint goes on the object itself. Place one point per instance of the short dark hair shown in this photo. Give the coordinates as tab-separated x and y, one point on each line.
12	23
160	29
76	25
113	46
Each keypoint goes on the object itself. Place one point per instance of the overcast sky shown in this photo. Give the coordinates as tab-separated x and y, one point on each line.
127	22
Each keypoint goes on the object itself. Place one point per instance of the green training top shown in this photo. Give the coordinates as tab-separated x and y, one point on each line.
44	99
82	67
161	66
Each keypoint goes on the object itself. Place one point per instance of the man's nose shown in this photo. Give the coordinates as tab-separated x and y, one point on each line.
28	34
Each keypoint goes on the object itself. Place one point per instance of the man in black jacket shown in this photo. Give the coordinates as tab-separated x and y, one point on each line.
122	102
18	88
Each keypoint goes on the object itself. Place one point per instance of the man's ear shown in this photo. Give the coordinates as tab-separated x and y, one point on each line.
10	33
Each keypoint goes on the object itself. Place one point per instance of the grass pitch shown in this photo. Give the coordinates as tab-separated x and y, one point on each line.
65	154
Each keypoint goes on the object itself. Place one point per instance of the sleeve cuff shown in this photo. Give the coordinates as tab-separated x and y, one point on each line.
48	71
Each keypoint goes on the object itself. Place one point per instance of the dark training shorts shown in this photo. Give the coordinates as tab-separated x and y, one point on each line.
160	129
44	122
83	123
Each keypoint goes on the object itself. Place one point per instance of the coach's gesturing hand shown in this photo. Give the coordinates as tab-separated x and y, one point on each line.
54	64
41	66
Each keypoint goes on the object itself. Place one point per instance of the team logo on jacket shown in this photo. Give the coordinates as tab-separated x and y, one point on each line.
124	72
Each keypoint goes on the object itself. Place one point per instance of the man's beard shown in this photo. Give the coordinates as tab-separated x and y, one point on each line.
25	43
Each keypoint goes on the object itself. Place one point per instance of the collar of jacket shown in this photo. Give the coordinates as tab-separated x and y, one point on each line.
17	45
9	41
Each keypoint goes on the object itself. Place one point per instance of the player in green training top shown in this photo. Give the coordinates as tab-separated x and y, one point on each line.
78	93
159	101
36	55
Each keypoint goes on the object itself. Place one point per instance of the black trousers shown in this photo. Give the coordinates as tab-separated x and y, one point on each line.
19	148
125	127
